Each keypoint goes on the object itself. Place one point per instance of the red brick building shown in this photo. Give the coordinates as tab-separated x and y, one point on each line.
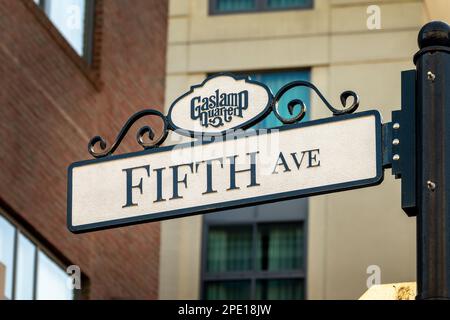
53	99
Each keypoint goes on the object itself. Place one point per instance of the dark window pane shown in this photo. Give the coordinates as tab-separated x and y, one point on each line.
52	281
25	269
280	289
280	247
286	4
229	249
7	236
235	5
226	290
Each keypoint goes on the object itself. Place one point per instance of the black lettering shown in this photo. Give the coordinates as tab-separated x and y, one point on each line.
281	161
209	184
252	170
130	187
195	108
312	158
176	181
294	156
159	184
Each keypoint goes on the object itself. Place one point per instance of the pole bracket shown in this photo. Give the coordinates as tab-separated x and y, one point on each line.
399	137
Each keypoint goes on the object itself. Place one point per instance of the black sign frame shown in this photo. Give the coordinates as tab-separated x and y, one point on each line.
171	214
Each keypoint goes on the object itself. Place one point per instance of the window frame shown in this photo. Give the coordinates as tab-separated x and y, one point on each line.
261	6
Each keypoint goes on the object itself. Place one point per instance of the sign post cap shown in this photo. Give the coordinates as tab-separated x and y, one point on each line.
435	33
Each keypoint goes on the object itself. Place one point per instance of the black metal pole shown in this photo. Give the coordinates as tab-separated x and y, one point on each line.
433	161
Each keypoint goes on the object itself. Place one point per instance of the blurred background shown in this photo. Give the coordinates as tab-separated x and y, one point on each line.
73	69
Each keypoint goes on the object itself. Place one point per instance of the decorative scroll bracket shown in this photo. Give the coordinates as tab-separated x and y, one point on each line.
140	135
273	106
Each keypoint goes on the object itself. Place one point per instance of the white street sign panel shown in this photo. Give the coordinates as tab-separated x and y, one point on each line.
298	160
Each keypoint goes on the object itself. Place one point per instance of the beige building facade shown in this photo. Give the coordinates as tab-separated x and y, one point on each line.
352	236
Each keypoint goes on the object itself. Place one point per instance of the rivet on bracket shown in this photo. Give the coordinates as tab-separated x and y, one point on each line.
431	185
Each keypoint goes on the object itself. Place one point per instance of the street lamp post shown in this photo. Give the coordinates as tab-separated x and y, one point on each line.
433	161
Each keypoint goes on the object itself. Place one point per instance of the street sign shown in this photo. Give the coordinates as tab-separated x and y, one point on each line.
247	168
239	166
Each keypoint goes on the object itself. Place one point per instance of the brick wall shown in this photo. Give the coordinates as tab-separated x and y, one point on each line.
51	104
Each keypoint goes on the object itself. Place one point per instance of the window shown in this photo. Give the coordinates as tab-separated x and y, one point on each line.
259	252
74	20
30	271
235	6
51	280
255	261
276	80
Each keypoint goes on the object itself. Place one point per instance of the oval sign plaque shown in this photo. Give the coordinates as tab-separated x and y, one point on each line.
221	103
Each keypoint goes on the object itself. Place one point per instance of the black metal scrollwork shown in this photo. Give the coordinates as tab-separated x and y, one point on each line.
153	142
301	114
140	135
